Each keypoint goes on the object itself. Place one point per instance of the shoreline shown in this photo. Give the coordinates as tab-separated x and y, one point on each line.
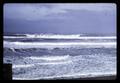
110	77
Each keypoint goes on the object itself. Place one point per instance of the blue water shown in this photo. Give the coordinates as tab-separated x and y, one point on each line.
60	56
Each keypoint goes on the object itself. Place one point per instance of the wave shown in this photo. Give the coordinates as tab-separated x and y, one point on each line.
43	36
71	76
57	44
45	63
23	66
53	36
50	58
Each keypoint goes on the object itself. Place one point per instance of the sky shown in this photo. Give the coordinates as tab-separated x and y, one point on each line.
60	18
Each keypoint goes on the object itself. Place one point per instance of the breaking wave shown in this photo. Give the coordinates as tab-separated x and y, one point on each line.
31	65
53	36
69	76
50	58
57	44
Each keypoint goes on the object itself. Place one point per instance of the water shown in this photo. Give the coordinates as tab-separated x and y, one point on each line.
54	56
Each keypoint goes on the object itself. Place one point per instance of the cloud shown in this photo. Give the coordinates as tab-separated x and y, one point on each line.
29	12
90	7
45	11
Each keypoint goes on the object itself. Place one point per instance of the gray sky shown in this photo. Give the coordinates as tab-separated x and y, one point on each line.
60	18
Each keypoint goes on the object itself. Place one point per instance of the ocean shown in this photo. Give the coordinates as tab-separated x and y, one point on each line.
60	56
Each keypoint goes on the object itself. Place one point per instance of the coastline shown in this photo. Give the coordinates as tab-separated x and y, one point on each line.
109	77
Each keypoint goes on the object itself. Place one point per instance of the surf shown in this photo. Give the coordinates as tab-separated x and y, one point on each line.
60	36
58	44
50	58
71	76
38	64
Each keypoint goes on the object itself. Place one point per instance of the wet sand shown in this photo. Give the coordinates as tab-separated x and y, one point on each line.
98	78
112	77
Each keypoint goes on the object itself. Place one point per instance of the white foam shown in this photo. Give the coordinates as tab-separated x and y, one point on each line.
58	44
45	63
52	36
48	36
23	66
49	58
13	49
70	76
14	37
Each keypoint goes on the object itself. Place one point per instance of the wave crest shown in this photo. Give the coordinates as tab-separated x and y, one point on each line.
50	58
58	36
58	44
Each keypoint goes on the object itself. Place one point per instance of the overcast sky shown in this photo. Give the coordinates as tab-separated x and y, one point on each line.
60	18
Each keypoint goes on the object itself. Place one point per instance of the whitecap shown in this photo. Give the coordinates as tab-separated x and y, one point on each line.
50	58
59	44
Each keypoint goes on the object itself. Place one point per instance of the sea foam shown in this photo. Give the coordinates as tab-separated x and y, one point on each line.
57	44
